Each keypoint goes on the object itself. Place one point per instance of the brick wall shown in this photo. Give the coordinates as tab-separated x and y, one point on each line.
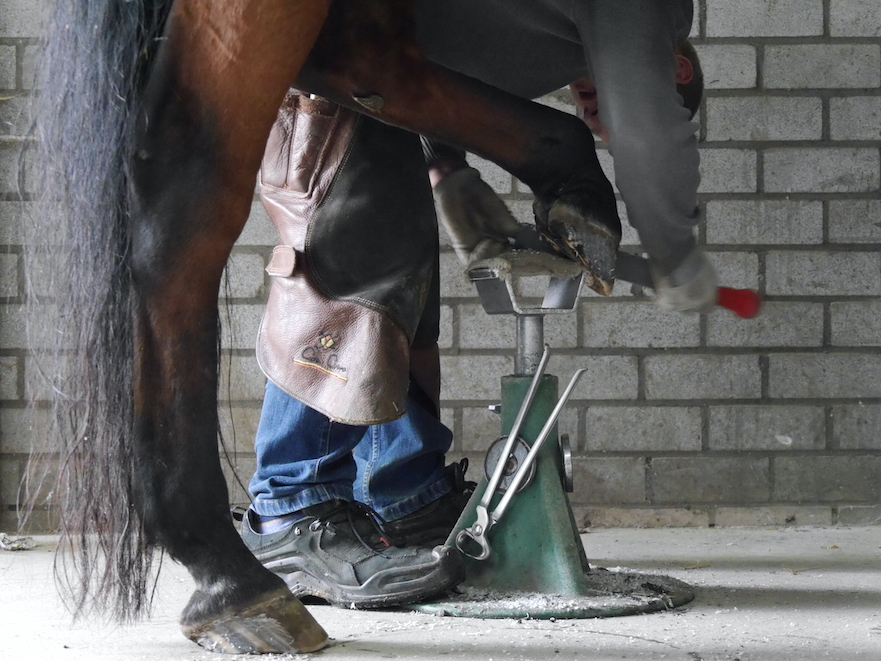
681	420
18	27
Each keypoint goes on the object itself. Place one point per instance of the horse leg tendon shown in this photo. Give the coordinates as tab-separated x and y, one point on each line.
214	91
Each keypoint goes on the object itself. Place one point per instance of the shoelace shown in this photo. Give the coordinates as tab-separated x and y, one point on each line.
355	511
456	473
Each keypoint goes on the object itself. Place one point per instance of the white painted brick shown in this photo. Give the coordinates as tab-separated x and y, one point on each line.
480	427
29	67
453	281
695	479
854	18
9	171
448	419
9	374
14	217
15	119
238	426
239	331
21	19
9	281
18	430
522	210
259	230
702	377
613	480
629	236
636	324
499	180
764	222
857	426
758	118
820	273
822	170
825	375
773	327
7	67
859	515
568	424
767	428
728	66
607	377
857	323
241	379
736	269
728	171
238	475
478	330
608	165
855	117
822	66
246	275
827	478
764	18
855	221
778	516
445	339
561	330
473	377
642	429
12	327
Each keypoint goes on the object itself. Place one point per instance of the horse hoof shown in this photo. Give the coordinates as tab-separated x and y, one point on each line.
581	221
277	623
584	239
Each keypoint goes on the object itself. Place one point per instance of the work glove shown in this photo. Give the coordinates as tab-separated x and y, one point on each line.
478	222
691	287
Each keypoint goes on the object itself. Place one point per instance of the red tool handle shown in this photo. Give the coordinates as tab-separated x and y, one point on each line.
744	303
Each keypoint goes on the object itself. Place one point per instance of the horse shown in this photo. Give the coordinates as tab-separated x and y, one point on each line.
153	117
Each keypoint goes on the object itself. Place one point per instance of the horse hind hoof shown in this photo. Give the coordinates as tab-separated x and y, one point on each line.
278	623
587	240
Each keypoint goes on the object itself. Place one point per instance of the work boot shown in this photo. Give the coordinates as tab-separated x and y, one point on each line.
431	525
339	552
581	221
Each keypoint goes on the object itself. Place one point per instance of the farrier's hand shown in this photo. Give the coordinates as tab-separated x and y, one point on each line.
691	287
478	222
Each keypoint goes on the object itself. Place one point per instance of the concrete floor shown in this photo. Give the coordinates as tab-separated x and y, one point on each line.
762	595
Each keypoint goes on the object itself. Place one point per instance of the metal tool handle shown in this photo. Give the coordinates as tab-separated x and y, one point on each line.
745	303
515	429
477	533
499	511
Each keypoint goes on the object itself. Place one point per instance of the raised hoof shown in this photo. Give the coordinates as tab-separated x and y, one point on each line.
586	240
277	623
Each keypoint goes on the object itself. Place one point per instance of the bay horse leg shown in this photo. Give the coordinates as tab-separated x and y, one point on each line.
367	58
214	91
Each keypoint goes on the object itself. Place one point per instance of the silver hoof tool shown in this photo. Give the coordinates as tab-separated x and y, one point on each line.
477	533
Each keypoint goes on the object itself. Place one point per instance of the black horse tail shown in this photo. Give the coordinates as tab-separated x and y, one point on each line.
94	67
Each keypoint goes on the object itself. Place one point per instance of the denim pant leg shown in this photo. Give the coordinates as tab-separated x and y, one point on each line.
303	458
401	463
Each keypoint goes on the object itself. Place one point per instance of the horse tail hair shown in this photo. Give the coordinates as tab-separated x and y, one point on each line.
80	295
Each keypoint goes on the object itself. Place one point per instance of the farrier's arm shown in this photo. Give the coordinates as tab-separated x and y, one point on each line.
630	45
478	222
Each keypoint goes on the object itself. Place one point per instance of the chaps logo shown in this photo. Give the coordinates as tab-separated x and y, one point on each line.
323	355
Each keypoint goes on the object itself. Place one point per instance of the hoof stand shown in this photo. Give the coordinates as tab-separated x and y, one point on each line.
277	623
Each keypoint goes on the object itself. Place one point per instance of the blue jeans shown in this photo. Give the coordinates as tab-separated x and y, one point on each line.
304	458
